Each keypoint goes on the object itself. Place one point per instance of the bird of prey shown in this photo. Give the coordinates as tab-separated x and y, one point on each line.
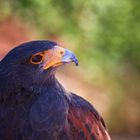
35	106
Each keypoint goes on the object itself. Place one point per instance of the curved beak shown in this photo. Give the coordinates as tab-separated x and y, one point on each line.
58	56
69	57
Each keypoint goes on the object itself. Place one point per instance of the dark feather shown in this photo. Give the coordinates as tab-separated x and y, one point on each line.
85	122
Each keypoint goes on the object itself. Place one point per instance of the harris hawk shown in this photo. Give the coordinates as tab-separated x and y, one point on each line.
35	106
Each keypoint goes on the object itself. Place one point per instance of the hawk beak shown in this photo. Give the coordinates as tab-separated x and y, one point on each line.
58	56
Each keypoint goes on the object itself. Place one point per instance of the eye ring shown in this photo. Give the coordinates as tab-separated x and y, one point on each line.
37	59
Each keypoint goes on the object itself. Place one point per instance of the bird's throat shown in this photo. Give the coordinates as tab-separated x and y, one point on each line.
51	108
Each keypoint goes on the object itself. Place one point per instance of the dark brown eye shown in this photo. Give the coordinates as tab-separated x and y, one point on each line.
36	59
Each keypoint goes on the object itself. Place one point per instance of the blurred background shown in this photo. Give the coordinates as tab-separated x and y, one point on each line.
105	36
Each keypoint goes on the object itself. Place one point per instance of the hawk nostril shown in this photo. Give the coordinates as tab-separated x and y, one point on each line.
61	52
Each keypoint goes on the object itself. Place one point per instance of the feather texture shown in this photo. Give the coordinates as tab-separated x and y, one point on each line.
85	122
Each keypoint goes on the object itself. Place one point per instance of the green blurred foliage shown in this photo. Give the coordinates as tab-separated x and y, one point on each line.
106	38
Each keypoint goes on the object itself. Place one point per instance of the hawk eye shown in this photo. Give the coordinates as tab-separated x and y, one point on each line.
36	59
